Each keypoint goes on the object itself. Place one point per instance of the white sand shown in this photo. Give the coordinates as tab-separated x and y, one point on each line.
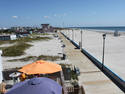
51	47
114	50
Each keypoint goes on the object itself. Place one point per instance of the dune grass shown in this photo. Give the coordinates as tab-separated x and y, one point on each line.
25	39
44	57
34	34
20	46
28	58
15	50
29	39
34	58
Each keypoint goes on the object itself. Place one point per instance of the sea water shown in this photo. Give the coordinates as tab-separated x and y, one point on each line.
120	28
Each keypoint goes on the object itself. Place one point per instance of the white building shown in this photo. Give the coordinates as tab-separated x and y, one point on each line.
13	37
8	37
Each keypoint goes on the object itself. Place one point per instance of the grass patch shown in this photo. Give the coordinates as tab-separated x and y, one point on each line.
44	57
28	39
34	58
25	39
3	42
28	58
34	34
20	46
15	50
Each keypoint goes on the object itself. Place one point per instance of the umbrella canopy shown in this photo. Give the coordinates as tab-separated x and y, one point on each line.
41	67
40	85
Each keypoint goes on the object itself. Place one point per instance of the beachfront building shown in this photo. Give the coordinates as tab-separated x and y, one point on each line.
8	37
47	28
1	68
23	34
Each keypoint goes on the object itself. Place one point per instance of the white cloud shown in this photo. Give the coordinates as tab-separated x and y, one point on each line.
15	17
46	17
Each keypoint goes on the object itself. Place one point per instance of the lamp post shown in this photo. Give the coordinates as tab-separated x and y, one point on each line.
104	36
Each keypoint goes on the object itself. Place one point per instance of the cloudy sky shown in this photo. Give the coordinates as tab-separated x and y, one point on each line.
62	12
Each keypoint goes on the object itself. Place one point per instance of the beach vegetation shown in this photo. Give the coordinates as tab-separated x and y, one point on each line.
25	39
35	34
20	45
15	50
35	58
51	58
28	58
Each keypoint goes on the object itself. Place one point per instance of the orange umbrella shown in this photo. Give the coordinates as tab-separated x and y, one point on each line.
41	67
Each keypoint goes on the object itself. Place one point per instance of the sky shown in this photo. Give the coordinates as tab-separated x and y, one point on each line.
62	12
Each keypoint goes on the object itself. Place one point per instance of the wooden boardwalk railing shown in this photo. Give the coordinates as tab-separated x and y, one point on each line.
70	90
63	83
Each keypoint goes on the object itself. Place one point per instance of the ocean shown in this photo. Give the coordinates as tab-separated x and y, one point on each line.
120	28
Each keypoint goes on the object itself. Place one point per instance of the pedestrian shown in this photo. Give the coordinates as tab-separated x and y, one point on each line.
3	87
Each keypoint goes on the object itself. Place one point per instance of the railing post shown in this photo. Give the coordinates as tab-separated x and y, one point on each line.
63	83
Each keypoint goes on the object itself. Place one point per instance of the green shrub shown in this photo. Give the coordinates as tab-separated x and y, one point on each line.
24	39
44	57
15	50
34	58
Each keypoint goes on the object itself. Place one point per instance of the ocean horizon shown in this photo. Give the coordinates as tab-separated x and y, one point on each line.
113	28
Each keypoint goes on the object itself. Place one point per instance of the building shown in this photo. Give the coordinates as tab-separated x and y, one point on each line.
47	28
23	34
8	37
23	29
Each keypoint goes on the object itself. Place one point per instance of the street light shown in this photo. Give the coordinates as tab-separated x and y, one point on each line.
104	36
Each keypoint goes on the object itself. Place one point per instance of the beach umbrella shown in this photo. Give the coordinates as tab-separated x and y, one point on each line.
40	85
41	67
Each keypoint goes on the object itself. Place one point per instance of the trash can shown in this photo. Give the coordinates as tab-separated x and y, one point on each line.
67	73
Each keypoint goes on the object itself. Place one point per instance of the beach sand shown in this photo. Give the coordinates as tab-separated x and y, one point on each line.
92	41
50	48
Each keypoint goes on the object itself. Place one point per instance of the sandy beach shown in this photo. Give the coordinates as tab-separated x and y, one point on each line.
114	47
48	47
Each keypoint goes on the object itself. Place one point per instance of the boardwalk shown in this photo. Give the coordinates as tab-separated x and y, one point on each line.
92	79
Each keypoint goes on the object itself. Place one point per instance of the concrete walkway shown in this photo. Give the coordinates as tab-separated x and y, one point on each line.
92	79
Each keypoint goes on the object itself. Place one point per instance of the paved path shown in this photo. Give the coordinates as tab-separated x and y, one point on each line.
92	79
